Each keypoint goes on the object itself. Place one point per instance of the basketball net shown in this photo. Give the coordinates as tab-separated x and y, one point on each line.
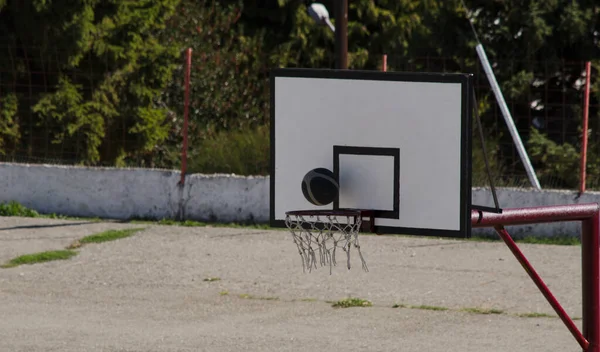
318	235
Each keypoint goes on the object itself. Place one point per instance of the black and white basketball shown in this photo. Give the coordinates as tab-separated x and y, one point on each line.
319	186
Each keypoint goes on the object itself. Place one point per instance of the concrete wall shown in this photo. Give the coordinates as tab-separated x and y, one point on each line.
134	193
155	194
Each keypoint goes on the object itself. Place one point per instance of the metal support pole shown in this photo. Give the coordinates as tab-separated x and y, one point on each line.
535	215
507	117
589	215
584	134
341	34
542	287
590	275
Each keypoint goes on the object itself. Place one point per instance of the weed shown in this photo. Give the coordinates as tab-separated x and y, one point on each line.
13	208
40	258
248	296
351	302
482	311
558	240
535	315
425	307
211	279
109	235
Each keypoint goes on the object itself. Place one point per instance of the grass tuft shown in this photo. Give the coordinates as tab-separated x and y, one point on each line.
224	293
249	296
558	240
482	311
76	244
399	305
109	235
535	315
426	307
13	208
351	302
40	257
211	279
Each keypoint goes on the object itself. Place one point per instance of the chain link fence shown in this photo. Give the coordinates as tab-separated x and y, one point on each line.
543	96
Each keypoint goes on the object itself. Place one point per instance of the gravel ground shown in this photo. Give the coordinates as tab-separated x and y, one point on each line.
147	293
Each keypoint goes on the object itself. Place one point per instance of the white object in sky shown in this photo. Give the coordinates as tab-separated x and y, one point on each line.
318	12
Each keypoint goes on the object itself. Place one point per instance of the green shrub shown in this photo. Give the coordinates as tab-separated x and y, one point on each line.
242	152
13	208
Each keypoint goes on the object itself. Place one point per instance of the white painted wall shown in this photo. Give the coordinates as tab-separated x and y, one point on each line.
227	198
134	193
143	193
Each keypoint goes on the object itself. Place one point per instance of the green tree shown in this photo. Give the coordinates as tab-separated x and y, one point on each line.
83	73
229	85
533	47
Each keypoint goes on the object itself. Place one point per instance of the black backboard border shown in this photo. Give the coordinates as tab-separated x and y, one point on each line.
374	151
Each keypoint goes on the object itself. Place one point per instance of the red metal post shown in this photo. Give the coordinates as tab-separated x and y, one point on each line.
535	215
590	260
589	215
186	106
384	63
542	287
584	134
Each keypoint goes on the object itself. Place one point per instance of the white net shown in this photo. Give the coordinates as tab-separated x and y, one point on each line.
318	235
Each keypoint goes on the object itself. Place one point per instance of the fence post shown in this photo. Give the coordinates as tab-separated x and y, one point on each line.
186	106
384	63
584	134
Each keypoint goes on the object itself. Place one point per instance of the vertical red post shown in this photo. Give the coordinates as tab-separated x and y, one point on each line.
590	275
186	107
584	135
384	63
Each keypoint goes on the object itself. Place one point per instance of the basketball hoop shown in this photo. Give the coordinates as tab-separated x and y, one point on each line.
319	233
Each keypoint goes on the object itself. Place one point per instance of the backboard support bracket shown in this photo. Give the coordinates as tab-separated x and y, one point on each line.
496	209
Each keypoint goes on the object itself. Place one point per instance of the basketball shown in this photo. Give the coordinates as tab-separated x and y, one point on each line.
319	186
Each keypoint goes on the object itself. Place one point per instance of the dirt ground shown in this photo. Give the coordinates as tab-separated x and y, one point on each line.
147	293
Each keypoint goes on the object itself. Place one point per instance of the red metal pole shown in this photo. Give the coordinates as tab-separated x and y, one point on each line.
186	106
384	63
584	134
589	215
542	287
535	215
590	274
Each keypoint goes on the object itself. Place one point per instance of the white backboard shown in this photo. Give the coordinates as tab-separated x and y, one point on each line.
399	144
